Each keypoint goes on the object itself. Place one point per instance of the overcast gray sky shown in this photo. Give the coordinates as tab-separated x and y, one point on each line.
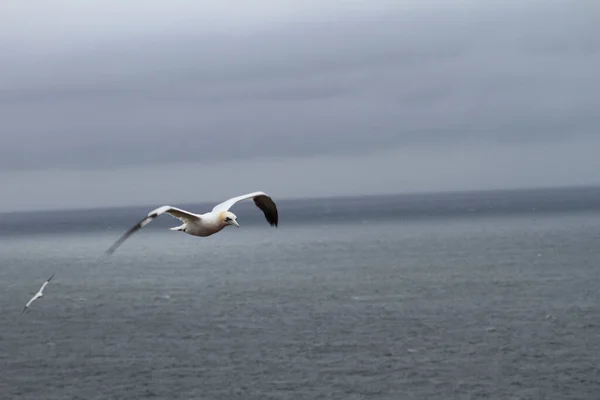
144	102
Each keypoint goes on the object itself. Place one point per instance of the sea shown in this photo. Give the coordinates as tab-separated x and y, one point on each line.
475	295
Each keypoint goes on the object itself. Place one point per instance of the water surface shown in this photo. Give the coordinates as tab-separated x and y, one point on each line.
424	302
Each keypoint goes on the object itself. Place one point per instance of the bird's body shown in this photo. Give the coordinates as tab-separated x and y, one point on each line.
38	295
209	223
202	225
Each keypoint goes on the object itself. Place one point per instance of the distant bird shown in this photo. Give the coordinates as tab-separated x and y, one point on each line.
38	295
208	223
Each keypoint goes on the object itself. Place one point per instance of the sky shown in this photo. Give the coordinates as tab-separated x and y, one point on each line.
112	103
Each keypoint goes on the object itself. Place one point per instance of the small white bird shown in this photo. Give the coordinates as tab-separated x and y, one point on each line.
38	295
208	223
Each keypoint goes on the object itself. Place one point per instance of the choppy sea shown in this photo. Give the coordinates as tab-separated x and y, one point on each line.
490	295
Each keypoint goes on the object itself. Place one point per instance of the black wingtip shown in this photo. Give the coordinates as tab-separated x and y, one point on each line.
124	236
269	209
109	252
111	249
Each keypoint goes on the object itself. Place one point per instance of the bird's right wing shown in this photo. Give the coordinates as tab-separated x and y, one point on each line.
261	200
178	213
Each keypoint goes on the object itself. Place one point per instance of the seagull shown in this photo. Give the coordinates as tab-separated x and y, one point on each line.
38	295
208	223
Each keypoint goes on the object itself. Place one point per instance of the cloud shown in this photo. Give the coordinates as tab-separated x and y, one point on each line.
414	168
119	85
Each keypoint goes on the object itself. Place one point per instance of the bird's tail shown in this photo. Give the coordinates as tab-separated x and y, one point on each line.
178	228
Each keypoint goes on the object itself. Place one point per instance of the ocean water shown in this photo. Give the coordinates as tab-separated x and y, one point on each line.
455	296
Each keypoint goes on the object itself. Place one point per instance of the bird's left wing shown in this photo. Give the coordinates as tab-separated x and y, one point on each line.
262	201
30	301
178	213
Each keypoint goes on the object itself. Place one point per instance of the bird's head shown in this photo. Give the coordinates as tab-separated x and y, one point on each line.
229	218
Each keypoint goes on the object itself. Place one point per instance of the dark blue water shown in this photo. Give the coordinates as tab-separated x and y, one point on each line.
455	296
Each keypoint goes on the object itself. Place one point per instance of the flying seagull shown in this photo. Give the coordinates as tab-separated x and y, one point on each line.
38	295
208	223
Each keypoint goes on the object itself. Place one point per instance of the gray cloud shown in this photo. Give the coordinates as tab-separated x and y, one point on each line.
113	86
414	168
347	83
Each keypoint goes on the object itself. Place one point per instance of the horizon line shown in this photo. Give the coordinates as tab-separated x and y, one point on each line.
333	197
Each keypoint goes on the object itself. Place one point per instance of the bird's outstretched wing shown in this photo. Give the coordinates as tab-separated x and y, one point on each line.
30	301
45	283
178	213
262	201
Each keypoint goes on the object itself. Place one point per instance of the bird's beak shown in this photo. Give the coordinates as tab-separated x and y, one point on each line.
234	222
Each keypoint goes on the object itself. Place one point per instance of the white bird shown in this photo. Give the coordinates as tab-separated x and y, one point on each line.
38	295
208	223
